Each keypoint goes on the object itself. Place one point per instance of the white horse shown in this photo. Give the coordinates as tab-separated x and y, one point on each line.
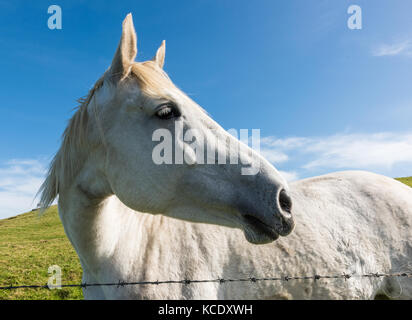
132	220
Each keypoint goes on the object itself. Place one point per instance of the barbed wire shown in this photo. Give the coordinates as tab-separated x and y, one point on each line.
219	281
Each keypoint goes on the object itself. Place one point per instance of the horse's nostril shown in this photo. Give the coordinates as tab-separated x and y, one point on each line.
285	201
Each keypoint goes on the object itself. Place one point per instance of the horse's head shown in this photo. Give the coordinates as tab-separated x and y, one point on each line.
139	117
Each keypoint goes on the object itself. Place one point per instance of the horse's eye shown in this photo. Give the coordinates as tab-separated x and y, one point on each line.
167	111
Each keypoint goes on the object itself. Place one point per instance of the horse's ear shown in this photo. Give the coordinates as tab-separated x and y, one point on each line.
126	51
160	55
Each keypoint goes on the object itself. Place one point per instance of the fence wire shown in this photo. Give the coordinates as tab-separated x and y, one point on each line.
120	284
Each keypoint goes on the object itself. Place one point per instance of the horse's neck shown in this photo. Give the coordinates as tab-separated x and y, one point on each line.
106	231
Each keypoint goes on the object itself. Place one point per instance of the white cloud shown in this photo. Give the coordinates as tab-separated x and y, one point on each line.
273	156
287	143
378	152
289	175
400	48
19	182
363	151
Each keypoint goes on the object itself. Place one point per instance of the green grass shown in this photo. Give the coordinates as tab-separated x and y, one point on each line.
407	181
29	244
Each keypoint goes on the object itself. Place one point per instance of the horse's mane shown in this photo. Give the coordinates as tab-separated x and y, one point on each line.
67	162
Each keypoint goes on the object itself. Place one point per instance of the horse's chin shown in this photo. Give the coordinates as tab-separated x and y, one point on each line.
256	235
259	238
258	232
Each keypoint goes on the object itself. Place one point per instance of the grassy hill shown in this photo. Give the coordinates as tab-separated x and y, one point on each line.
29	244
407	181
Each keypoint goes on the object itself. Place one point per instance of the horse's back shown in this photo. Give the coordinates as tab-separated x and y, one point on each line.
354	222
382	197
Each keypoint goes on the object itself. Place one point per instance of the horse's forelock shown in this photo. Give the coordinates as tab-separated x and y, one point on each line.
152	80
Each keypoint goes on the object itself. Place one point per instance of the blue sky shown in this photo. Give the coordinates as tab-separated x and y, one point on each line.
325	97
